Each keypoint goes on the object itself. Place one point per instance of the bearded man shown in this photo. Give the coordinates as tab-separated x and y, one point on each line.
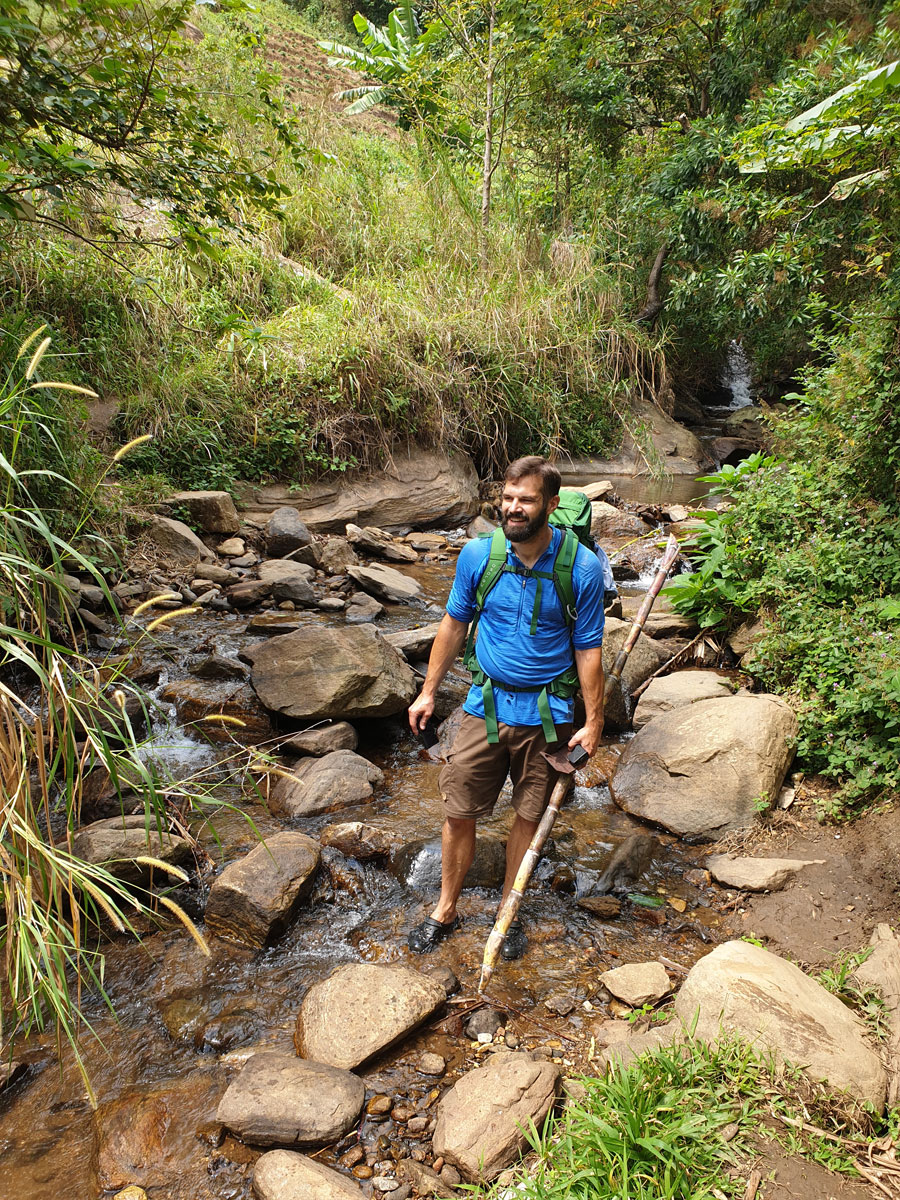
533	595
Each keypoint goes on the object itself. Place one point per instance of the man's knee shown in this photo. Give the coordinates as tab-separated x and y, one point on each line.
459	827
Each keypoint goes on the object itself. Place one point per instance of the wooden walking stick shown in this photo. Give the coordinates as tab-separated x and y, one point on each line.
565	765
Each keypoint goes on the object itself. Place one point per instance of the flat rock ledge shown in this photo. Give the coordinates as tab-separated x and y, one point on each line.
482	1119
741	988
286	1175
255	898
362	1009
757	874
279	1100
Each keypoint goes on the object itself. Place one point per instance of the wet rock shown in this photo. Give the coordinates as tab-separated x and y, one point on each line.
11	1071
179	544
482	1119
336	555
213	512
339	735
116	842
431	1064
414	644
146	1135
674	691
247	593
374	541
319	785
218	667
379	1106
742	989
630	860
697	877
418	864
610	522
561	1004
605	907
417	487
92	597
645	658
285	532
197	701
386	583
747	423
289	581
280	1100
362	1009
255	898
417	1126
357	840
443	975
351	1157
321	672
362	609
425	1181
484	1021
273	624
757	874
701	770
637	983
285	1175
215	573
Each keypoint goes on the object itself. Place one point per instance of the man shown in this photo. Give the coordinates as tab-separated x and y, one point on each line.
528	659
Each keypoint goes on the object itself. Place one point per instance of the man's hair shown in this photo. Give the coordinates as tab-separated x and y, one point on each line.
533	464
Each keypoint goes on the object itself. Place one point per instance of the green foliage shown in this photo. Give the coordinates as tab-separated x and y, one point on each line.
866	1001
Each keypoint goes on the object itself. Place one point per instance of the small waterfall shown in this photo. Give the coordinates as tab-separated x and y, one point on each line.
738	376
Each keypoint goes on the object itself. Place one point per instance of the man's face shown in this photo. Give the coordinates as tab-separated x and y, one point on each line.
524	509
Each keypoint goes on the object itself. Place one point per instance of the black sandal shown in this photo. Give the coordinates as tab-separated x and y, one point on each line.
427	936
515	943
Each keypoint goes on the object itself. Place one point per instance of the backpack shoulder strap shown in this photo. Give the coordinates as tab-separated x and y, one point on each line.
563	568
493	568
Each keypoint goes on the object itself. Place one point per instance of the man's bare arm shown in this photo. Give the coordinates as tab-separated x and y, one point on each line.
447	645
589	664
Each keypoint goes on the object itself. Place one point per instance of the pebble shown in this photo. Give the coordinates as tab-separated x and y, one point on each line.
437	1165
485	1039
363	1172
562	1005
401	1113
353	1156
450	1175
418	1154
379	1106
698	877
485	1020
511	1039
432	1064
417	1125
132	1192
400	1193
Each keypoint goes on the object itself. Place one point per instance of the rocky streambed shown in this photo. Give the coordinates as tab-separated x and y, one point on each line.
311	1053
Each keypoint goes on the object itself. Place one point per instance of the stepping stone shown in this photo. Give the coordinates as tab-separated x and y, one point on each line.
757	874
284	1175
637	983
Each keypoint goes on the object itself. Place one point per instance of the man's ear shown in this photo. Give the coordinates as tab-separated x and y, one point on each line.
552	503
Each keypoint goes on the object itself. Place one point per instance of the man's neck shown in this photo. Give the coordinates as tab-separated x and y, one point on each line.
529	552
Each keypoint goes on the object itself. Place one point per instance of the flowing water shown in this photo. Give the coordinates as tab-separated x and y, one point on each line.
183	1022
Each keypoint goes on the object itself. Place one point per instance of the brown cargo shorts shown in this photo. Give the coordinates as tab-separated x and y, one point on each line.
476	770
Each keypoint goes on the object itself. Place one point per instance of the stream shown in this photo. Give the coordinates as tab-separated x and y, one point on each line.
183	1022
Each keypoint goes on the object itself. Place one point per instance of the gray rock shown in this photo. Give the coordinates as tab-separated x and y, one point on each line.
645	658
285	532
246	560
376	542
386	583
742	989
320	672
215	573
285	1175
756	874
255	898
247	593
318	785
482	1120
357	840
116	842
289	581
362	609
280	1100
636	1043
179	544
214	512
637	983
336	555
484	1021
414	644
362	1009
219	666
323	739
704	769
418	864
92	597
607	521
431	1064
674	691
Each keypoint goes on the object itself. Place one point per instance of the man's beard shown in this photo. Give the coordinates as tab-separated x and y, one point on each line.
522	533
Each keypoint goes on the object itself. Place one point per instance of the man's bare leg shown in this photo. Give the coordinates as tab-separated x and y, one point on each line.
457	855
516	844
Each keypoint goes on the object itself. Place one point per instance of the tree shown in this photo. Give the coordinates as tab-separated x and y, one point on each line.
98	113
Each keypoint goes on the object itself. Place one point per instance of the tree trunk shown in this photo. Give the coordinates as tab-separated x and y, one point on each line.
653	307
487	169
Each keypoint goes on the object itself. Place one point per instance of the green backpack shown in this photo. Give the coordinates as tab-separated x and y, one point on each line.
574	512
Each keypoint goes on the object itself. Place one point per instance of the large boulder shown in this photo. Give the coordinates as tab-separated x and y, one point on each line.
418	864
645	658
286	1175
118	842
319	785
179	544
483	1120
679	450
339	673
386	583
417	487
254	899
286	532
280	1100
214	512
362	1009
674	691
289	580
705	769
743	989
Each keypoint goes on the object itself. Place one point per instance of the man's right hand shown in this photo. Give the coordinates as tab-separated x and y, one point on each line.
420	712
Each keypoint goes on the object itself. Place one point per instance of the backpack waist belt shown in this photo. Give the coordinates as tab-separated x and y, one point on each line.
564	686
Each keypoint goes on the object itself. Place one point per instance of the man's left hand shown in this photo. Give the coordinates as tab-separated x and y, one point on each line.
587	736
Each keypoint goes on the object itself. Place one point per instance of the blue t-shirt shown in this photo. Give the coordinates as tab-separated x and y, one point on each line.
506	649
